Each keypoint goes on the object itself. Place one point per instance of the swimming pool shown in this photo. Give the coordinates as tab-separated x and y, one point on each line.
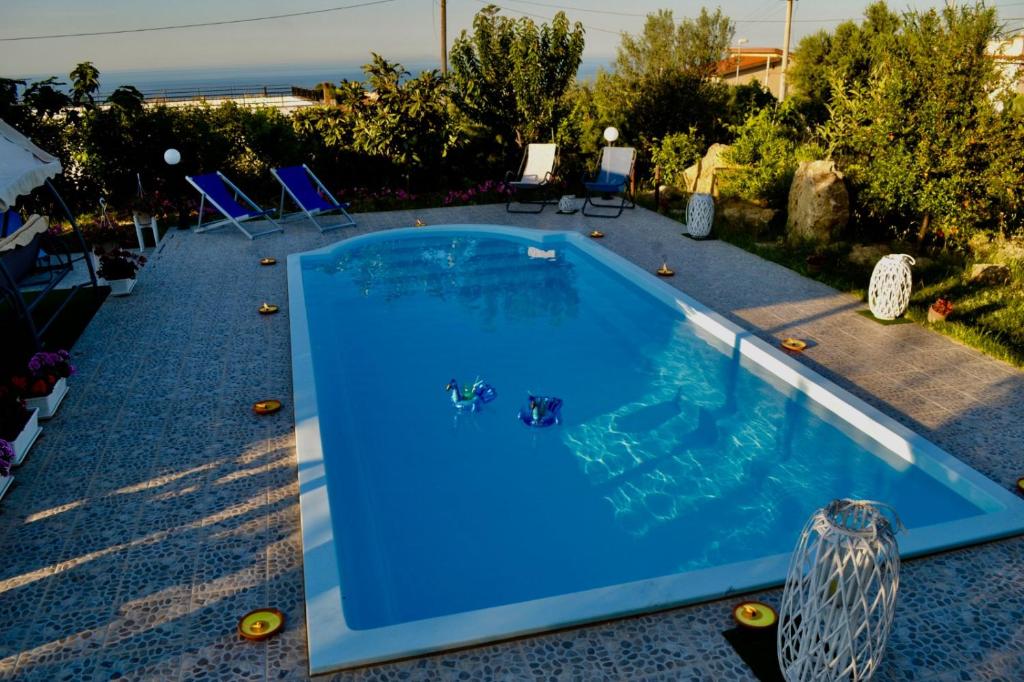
688	456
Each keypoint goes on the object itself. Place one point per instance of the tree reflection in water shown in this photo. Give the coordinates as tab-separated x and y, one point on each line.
492	277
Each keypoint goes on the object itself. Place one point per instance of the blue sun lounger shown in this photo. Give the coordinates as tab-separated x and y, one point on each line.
614	171
310	195
224	195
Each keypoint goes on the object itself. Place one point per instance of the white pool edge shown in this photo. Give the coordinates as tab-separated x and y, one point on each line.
332	645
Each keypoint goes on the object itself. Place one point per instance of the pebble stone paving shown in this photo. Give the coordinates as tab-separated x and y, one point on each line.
156	509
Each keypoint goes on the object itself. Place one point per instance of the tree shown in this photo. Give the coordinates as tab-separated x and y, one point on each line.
402	120
510	77
127	99
85	81
921	139
662	48
45	98
661	83
849	54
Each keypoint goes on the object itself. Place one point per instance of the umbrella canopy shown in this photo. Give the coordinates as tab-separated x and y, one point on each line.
23	166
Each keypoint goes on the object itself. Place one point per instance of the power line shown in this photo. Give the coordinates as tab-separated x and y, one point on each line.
540	16
199	25
578	9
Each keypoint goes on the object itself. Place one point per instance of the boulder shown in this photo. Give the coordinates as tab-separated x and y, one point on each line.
819	205
702	174
746	217
866	255
990	273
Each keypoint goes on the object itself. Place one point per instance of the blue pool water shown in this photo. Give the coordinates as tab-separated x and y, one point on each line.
675	453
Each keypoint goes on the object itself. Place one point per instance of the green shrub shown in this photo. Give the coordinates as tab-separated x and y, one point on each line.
676	153
767	149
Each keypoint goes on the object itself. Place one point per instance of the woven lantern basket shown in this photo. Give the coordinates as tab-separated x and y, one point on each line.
889	290
840	594
700	215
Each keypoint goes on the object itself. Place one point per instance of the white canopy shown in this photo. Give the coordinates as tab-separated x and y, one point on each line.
23	166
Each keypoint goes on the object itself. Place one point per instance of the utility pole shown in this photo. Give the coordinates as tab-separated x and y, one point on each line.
444	37
785	49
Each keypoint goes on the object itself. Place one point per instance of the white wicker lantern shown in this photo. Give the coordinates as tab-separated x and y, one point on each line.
700	214
840	594
889	290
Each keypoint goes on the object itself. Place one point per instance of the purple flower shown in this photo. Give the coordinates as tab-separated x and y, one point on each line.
6	458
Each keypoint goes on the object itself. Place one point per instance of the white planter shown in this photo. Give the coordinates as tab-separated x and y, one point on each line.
700	215
48	404
5	483
121	287
23	443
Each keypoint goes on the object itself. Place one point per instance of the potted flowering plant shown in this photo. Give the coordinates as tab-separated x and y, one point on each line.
118	267
19	425
6	462
45	382
940	310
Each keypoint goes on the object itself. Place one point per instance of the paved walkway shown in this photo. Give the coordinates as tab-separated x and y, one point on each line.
156	509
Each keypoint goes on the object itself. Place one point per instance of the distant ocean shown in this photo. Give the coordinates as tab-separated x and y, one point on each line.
255	77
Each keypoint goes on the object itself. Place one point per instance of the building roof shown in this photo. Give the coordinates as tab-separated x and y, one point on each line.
750	59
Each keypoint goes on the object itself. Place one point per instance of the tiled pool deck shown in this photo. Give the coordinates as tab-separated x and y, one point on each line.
156	508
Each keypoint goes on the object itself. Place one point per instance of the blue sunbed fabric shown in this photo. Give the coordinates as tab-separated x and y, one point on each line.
10	220
607	182
214	187
303	189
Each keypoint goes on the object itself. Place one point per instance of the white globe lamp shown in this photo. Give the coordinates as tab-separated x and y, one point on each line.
172	157
611	133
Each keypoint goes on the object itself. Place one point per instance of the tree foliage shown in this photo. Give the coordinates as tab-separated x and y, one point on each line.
920	138
85	81
509	78
766	151
661	82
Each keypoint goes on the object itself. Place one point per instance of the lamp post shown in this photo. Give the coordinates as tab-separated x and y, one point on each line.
739	51
172	157
611	133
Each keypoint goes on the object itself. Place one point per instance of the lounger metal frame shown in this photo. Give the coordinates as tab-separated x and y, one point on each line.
228	219
311	215
624	202
519	186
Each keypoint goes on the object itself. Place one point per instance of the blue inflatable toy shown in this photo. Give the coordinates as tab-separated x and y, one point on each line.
471	396
542	412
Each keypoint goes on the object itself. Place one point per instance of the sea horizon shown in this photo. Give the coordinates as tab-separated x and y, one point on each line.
254	77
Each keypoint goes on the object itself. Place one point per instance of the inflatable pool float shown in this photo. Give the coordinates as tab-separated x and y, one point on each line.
471	396
541	411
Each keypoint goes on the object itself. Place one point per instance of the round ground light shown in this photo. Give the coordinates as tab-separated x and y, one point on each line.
665	271
266	406
268	309
754	615
596	234
268	261
795	345
260	624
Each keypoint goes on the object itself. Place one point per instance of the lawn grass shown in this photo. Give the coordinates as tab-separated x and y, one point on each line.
989	318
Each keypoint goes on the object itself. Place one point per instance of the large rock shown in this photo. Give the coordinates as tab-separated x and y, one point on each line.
990	273
819	205
704	171
749	218
866	255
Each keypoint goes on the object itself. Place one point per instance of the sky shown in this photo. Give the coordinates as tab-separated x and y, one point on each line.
402	30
